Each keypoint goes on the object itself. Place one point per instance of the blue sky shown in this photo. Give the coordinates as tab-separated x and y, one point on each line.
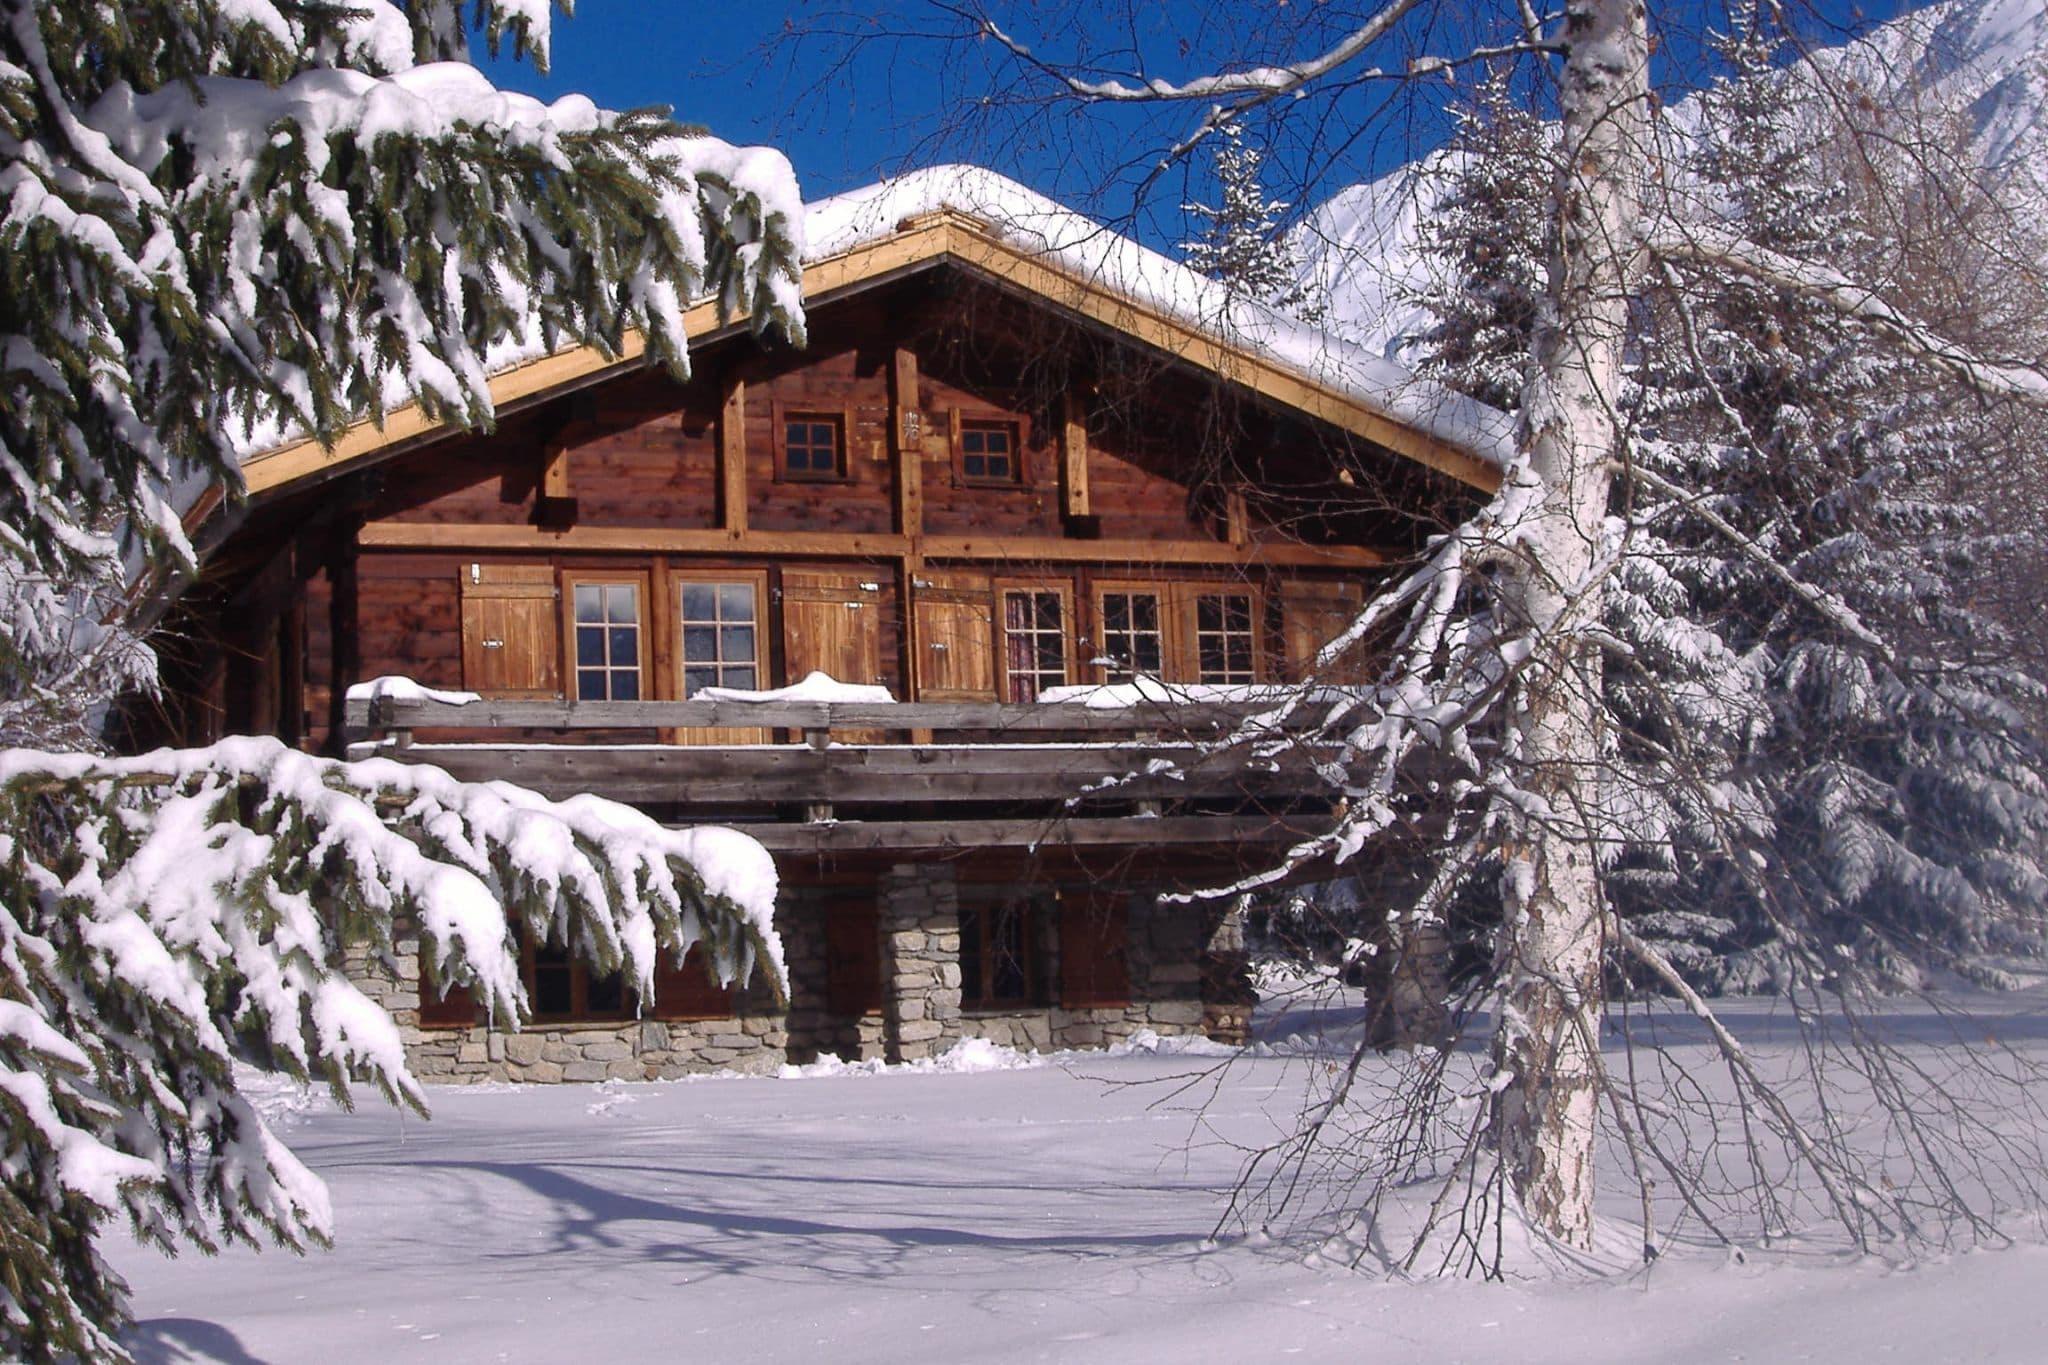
756	73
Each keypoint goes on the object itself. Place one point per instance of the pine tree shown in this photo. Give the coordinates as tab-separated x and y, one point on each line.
1888	794
1485	242
1242	243
224	220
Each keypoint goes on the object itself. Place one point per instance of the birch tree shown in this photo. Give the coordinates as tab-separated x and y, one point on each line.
1494	668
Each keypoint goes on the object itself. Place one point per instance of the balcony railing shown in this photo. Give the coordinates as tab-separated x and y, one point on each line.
1066	773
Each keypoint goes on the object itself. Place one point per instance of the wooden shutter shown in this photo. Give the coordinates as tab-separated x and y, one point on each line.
832	623
853	959
1313	614
688	991
956	630
511	631
1094	963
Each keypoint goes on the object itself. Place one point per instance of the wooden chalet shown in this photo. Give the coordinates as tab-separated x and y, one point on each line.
1002	465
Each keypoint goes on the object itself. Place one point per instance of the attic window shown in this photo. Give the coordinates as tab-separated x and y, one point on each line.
988	452
813	446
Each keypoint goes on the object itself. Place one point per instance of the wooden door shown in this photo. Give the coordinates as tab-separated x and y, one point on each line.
1311	615
956	649
511	631
1095	970
832	623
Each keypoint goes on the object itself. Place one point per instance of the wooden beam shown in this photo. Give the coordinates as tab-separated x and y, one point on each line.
1213	831
1236	519
875	775
465	538
906	441
732	459
554	473
1074	500
981	718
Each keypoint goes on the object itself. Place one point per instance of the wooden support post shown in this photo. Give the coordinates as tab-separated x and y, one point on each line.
554	476
1236	519
906	440
1074	459
732	460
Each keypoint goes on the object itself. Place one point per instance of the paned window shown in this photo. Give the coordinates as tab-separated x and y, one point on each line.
561	989
721	636
995	956
608	644
1034	642
988	452
1225	644
1132	636
812	447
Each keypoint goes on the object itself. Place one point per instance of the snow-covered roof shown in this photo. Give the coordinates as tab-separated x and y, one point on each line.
1011	225
1081	246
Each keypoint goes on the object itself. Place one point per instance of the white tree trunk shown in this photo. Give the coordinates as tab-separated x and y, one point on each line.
1544	1116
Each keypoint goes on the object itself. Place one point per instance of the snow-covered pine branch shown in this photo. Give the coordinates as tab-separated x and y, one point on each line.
164	916
226	223
1720	249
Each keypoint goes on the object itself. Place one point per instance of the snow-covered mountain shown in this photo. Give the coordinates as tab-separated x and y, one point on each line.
1984	61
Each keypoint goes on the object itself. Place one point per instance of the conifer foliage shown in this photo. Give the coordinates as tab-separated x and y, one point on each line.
1241	243
224	222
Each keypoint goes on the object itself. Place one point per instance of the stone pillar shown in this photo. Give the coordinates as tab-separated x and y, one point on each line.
920	928
1227	994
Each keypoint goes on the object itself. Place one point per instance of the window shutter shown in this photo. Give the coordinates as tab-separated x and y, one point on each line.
853	959
956	637
1313	614
688	991
511	631
1094	962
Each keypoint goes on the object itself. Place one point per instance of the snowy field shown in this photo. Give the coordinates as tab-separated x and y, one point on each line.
996	1208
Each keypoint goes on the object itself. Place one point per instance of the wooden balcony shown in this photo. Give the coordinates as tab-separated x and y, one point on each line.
850	777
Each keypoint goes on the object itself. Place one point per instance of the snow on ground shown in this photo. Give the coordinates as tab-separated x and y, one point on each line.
986	1207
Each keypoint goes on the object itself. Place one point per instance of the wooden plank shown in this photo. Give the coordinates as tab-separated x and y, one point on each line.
1074	500
870	775
1213	831
1210	554
977	717
1236	519
732	460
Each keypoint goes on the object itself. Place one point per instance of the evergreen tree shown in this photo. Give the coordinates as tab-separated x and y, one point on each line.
1484	243
1861	790
1241	242
228	219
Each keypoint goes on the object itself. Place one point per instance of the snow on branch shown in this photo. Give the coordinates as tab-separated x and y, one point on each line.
165	916
1705	246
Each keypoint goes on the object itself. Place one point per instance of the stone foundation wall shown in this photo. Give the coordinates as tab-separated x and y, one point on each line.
1172	951
754	1040
1163	953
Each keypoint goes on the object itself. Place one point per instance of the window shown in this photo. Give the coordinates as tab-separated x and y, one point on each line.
721	636
608	645
1034	642
813	446
1225	644
988	452
995	956
1133	635
559	989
